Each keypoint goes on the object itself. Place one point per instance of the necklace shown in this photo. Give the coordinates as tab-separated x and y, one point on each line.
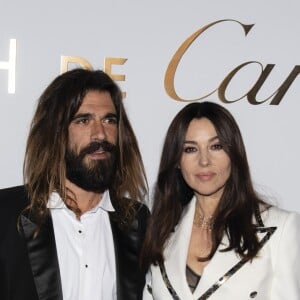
201	221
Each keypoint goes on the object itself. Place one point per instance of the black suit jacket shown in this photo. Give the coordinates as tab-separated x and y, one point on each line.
29	267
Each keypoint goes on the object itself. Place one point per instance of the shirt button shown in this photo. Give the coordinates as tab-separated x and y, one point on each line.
79	231
86	266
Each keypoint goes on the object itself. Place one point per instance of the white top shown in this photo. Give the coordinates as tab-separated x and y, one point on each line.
273	275
85	250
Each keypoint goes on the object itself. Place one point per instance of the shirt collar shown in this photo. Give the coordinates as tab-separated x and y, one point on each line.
55	202
105	202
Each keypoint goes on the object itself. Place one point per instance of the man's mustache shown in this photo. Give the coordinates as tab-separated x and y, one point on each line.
95	146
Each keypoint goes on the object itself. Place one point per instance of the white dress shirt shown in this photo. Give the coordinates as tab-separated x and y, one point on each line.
85	250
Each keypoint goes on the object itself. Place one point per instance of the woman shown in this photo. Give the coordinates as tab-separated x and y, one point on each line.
210	235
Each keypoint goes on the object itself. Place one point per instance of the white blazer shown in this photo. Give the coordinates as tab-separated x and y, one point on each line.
273	275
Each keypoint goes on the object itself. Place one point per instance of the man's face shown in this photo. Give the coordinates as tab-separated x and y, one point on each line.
93	134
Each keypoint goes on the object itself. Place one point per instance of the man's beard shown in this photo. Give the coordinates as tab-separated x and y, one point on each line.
96	175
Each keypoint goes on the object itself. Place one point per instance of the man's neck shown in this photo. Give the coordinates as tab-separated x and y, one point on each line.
85	200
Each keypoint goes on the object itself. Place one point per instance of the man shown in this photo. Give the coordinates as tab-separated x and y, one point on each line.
74	230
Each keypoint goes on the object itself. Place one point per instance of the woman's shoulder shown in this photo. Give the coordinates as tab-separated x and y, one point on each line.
286	235
276	217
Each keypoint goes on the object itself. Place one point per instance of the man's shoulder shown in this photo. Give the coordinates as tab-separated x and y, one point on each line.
142	214
141	209
136	220
13	197
137	209
13	189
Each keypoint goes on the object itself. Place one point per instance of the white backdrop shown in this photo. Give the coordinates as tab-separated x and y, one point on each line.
148	34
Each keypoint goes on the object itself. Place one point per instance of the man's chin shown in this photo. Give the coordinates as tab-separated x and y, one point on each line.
92	160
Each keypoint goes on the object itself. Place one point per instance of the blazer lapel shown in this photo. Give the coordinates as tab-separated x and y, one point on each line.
176	252
43	258
221	268
213	273
118	251
224	265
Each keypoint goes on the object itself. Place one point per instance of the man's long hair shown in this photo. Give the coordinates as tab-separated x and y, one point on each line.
238	204
44	164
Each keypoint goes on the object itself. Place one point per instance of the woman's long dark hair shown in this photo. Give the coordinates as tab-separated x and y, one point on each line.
238	204
44	164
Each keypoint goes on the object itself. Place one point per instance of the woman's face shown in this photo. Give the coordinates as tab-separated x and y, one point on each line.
204	164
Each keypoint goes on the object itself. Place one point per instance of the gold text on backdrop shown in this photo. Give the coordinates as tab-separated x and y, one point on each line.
221	90
108	63
10	65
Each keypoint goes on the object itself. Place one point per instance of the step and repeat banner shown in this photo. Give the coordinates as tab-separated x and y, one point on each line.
163	54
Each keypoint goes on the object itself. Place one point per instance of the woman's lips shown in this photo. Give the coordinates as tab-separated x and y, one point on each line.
205	176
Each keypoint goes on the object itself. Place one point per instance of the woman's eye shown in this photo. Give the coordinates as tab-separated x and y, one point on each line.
189	149
217	147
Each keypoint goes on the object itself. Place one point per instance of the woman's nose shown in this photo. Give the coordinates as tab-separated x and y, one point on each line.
204	158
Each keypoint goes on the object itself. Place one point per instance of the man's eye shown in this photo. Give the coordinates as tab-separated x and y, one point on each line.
217	147
81	121
111	120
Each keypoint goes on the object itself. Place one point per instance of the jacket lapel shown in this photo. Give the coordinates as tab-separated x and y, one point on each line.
127	242
176	252
115	230
43	258
224	265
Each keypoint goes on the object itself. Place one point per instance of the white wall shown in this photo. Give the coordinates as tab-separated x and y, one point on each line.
148	34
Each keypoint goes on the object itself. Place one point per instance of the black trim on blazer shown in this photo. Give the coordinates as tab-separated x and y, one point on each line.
43	259
268	230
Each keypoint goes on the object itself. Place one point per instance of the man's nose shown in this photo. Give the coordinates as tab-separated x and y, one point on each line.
98	131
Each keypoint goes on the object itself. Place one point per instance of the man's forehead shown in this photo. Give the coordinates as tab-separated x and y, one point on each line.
97	101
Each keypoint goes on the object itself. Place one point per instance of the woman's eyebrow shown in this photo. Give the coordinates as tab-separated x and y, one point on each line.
194	142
